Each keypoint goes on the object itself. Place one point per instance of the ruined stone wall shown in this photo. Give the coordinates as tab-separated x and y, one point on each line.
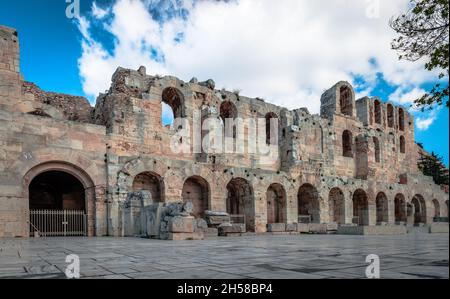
112	146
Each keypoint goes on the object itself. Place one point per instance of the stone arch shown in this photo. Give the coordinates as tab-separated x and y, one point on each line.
360	207
400	208
419	209
347	144
346	100
197	190
336	201
377	112
175	99
152	183
79	174
437	209
271	134
377	149
241	201
390	115
309	203
402	145
229	111
401	119
382	207
276	204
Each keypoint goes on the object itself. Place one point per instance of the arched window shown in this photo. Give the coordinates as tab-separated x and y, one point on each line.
401	119
228	111
377	149
271	133
345	101
172	100
402	145
390	115
377	112
347	144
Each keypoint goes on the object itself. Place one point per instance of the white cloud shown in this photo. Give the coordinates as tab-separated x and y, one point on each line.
406	95
424	123
98	12
287	52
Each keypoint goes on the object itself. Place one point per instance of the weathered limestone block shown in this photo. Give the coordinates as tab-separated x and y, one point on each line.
153	219
332	227
276	227
180	224
185	236
215	219
439	228
228	228
291	227
318	228
303	228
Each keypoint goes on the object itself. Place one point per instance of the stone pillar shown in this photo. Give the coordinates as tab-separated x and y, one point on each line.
348	210
372	214
391	211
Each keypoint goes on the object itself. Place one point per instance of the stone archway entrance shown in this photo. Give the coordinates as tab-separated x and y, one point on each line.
308	204
276	204
419	209
360	208
196	190
61	200
240	203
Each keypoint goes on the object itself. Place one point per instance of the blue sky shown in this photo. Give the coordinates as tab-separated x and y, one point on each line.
206	39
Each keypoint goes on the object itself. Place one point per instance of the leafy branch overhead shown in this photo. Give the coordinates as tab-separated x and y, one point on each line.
424	33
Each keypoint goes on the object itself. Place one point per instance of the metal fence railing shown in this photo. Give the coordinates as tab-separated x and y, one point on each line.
57	223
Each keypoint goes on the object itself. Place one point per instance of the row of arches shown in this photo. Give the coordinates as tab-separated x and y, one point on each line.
172	100
58	188
390	113
240	201
348	146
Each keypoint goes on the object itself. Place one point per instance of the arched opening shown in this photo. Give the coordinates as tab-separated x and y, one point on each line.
347	144
400	208
360	208
152	183
276	204
437	210
336	201
346	101
196	190
377	149
402	145
308	204
172	100
61	200
377	112
382	208
419	209
271	131
240	203
228	113
401	119
56	190
390	116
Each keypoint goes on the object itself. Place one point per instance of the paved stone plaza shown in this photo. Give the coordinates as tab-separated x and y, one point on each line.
260	257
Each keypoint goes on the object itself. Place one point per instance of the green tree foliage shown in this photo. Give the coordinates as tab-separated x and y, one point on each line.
432	165
424	33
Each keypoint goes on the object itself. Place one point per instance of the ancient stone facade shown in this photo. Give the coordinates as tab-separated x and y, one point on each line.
356	163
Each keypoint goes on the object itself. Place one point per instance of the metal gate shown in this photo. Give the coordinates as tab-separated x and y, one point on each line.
57	223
